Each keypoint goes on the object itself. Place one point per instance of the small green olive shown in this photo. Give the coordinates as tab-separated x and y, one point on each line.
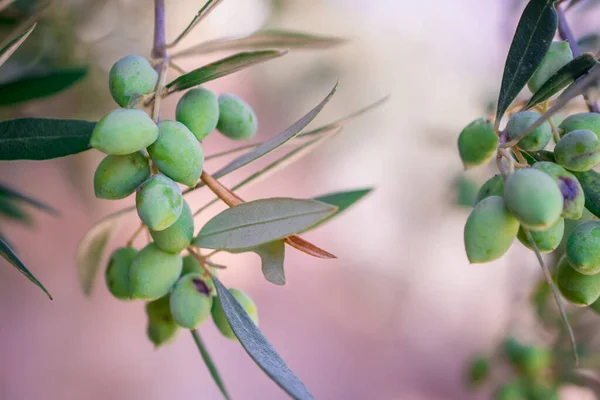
130	78
161	326
220	319
557	56
117	272
547	240
237	120
119	176
582	248
191	300
198	109
477	143
572	192
578	150
177	236
159	202
575	122
580	290
153	273
537	139
124	131
492	187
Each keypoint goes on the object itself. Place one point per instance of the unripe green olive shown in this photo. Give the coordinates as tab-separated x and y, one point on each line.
130	78
582	248
489	230
581	290
161	326
588	121
237	120
477	143
492	187
177	236
572	192
117	272
220	319
530	360
190	265
118	176
124	131
578	150
478	370
191	300
159	202
177	153
153	273
198	109
537	139
557	56
546	240
513	390
534	198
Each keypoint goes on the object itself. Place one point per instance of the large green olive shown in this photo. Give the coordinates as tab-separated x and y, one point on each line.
578	150
477	143
153	273
557	56
161	326
583	247
492	187
191	300
198	109
177	236
579	289
534	198
177	153
220	319
588	121
117	272
537	139
237	120
124	131
489	231
130	78
547	240
159	202
572	192
119	176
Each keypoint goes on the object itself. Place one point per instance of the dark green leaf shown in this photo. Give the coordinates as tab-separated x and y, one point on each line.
342	200
258	347
222	68
11	193
43	139
267	39
11	209
13	45
212	368
9	255
575	69
39	86
532	39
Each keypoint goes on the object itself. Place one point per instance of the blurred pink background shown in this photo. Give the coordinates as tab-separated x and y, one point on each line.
395	317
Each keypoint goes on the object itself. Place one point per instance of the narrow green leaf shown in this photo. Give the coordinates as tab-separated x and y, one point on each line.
12	193
39	86
9	208
267	39
258	347
91	250
14	44
575	69
200	15
9	255
42	138
222	68
261	221
590	182
532	39
212	368
342	200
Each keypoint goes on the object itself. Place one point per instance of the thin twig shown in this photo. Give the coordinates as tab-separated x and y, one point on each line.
203	12
201	260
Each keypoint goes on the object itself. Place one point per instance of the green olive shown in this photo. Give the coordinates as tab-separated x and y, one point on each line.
492	187
220	319
177	236
124	131
119	176
191	300
578	150
547	240
580	290
130	78
582	248
237	120
153	273
477	143
198	109
557	56
117	272
572	192
159	202
537	139
575	122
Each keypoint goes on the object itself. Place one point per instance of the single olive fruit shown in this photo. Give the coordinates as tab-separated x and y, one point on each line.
220	319
477	143
537	139
130	78
177	236
582	248
117	272
581	290
118	176
478	370
572	192
236	118
161	326
191	300
124	131
489	230
190	265
177	153
578	150
465	191
153	273
530	360
198	109
492	187
588	121
557	56
546	240
159	202
534	198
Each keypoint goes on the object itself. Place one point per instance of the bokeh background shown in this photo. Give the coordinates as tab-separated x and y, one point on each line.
395	317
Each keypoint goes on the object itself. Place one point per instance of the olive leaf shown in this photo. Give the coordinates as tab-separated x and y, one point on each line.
258	347
590	182
532	39
260	221
10	209
222	68
342	200
572	71
9	255
200	15
8	192
210	364
39	86
272	256
266	39
14	44
42	138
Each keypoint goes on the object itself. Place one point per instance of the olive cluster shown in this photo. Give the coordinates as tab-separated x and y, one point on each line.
151	159
537	197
